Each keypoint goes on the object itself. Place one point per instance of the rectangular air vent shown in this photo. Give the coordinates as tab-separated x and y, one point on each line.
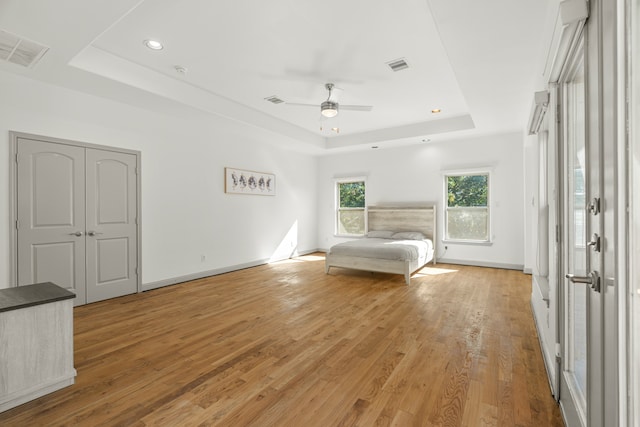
20	51
274	99
398	64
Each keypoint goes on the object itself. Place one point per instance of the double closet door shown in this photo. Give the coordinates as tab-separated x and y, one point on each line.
77	218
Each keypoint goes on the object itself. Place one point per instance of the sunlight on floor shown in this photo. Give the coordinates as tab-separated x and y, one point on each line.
301	258
286	261
433	271
311	258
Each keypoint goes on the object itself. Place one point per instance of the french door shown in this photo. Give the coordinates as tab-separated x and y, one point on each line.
590	393
581	333
76	218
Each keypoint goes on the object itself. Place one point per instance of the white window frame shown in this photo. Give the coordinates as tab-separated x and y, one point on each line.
481	171
337	209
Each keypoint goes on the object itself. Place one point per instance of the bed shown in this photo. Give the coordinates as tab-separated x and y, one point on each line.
400	240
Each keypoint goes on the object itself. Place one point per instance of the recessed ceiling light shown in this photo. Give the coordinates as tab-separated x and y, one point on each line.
153	44
435	110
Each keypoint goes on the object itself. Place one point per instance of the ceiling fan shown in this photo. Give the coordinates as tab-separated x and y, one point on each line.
330	107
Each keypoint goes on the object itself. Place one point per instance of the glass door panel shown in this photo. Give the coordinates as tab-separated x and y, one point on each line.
576	293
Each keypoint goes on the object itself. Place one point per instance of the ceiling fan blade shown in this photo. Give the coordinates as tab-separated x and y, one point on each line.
297	104
334	96
356	107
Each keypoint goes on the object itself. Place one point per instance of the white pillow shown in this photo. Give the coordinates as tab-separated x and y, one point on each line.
409	235
380	234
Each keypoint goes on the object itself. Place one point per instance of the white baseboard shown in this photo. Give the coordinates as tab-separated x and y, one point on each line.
23	396
547	356
541	287
215	272
482	264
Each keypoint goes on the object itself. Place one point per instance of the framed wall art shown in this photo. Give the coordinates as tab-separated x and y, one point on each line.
240	181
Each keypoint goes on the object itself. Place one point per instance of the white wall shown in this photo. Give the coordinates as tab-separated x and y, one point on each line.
414	174
185	212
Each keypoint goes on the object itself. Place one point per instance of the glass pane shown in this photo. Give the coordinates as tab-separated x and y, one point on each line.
467	190
468	223
351	194
351	222
577	292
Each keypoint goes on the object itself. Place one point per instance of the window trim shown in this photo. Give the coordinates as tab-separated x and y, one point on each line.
337	209
445	204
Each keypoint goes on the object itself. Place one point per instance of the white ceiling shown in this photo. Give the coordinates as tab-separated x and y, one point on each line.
475	60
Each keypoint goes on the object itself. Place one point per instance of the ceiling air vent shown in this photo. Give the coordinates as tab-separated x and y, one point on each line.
20	51
274	99
398	64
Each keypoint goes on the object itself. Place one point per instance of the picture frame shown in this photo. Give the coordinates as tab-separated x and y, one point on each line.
242	181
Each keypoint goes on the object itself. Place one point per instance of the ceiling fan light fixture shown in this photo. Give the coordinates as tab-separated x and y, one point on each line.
329	109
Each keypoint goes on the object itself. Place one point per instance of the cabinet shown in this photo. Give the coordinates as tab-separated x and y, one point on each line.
36	342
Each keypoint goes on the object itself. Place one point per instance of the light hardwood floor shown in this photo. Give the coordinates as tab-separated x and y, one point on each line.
286	345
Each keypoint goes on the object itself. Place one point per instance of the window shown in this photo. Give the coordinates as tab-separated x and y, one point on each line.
350	207
467	207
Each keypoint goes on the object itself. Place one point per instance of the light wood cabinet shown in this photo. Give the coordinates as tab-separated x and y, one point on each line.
36	342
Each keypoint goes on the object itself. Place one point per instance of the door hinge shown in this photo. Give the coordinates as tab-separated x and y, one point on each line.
16	158
557	233
17	224
558	114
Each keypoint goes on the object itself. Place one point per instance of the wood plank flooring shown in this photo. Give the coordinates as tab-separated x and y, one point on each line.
287	345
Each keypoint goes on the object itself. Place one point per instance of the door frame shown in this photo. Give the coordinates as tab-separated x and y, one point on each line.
629	184
13	193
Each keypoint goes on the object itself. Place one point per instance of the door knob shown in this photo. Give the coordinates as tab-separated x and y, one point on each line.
77	234
92	233
592	279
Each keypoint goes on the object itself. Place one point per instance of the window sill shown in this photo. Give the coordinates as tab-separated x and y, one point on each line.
467	242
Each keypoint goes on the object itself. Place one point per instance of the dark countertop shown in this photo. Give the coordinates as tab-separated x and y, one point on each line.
30	295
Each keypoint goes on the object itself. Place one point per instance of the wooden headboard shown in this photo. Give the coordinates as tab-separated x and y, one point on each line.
403	218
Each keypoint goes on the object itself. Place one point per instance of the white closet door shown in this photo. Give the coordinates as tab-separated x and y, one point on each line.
111	224
77	219
51	215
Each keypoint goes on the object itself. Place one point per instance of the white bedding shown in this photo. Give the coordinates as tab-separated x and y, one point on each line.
401	250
